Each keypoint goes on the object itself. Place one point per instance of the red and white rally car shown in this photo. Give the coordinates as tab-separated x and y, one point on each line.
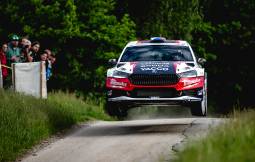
155	72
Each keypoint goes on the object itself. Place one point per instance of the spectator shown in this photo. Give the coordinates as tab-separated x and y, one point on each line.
50	56
25	57
33	51
44	57
13	51
3	60
23	42
51	61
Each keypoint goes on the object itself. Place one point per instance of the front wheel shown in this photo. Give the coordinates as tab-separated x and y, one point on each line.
115	110
200	108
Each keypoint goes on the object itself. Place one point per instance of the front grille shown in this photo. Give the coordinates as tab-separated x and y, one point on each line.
154	80
151	92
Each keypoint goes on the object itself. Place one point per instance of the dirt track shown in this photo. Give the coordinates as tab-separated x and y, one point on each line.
124	141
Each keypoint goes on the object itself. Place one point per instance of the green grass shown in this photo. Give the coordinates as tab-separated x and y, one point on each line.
25	121
234	141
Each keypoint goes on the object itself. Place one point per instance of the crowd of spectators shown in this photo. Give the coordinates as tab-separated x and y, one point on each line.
22	51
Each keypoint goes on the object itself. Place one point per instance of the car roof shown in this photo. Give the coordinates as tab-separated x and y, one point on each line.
158	41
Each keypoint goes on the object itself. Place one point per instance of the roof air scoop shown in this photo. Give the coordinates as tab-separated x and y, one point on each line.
158	40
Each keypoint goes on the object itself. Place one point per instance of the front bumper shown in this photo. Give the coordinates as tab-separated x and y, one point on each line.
155	100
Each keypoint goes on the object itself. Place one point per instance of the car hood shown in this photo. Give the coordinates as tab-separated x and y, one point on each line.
154	67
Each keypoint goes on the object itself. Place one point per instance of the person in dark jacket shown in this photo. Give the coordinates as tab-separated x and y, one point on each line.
48	66
34	51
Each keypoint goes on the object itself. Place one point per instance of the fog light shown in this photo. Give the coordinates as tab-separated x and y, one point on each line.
200	92
109	93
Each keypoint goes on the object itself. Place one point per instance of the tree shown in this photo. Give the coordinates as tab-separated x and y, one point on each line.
174	19
84	34
233	42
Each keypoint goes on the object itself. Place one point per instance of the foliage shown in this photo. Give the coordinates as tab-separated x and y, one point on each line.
231	142
25	121
231	74
175	19
84	34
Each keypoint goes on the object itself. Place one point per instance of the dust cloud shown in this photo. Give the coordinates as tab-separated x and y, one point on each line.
158	112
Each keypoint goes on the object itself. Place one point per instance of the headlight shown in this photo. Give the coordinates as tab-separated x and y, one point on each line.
120	74
188	74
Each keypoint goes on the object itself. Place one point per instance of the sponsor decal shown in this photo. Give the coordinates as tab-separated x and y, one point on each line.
154	67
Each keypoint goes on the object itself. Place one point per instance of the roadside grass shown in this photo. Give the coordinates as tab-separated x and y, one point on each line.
25	121
233	141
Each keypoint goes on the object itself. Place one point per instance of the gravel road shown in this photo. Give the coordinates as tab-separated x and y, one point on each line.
125	141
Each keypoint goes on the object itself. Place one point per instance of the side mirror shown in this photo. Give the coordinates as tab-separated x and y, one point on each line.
201	61
112	62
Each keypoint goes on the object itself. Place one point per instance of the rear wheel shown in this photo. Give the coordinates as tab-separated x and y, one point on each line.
116	110
200	108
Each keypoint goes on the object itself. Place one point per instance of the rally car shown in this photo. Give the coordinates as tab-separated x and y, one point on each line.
156	72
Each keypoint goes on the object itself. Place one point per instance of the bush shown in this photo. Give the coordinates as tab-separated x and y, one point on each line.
25	121
232	142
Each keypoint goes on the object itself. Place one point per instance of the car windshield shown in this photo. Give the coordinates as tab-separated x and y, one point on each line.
156	53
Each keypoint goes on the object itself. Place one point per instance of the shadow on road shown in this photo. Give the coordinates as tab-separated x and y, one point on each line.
150	120
134	124
150	129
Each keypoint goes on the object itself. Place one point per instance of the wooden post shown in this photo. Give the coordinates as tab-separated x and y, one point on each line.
43	80
13	77
41	77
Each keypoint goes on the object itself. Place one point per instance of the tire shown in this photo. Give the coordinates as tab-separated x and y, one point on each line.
200	108
115	110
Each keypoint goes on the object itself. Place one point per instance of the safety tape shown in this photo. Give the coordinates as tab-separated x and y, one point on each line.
6	66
